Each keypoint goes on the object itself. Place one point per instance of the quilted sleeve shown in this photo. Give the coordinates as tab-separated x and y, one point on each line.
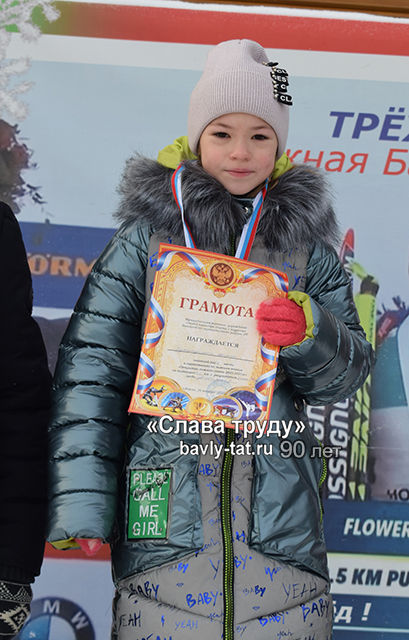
94	378
334	359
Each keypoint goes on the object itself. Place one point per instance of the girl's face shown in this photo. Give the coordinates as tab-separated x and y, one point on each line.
239	150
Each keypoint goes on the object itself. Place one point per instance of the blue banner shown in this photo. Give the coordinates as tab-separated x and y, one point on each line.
367	527
60	258
364	617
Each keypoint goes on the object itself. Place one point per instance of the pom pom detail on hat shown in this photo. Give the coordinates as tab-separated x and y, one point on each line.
238	78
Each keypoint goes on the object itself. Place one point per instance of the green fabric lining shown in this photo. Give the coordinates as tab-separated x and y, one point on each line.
303	300
69	543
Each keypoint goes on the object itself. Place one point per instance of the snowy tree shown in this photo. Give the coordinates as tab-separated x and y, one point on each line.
18	13
15	156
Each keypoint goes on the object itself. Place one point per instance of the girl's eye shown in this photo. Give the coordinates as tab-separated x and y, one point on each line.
260	136
221	134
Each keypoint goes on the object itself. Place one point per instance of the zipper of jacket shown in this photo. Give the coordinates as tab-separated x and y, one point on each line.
323	477
227	535
227	531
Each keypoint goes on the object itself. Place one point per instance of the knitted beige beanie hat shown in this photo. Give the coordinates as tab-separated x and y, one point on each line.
238	78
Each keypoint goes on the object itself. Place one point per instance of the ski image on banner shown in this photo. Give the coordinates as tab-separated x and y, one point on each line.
365	301
346	424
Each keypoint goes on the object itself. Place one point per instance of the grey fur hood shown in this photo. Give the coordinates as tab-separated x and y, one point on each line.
297	211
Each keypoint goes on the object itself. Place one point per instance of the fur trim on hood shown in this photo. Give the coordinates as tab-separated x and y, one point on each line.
297	211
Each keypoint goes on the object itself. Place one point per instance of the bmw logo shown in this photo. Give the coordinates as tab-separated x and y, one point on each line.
57	619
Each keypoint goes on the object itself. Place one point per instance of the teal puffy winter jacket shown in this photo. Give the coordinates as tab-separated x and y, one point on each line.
244	555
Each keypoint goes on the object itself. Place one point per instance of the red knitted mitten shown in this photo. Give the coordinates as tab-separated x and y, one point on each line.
281	322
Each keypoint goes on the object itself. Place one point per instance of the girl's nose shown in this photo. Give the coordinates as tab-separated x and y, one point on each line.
240	150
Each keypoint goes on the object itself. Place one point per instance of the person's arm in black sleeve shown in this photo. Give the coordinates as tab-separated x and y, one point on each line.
25	384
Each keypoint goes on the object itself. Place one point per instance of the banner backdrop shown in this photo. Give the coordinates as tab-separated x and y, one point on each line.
111	80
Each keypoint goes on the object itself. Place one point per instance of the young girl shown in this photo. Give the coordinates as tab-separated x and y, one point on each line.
244	555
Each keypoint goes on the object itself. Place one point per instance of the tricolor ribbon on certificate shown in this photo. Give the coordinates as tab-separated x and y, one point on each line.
209	338
268	355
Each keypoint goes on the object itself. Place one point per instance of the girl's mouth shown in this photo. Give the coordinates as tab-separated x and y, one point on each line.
239	172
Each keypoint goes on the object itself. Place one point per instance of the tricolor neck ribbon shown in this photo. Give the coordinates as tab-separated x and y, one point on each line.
249	230
177	194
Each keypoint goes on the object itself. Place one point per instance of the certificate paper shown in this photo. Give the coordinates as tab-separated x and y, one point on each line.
202	356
